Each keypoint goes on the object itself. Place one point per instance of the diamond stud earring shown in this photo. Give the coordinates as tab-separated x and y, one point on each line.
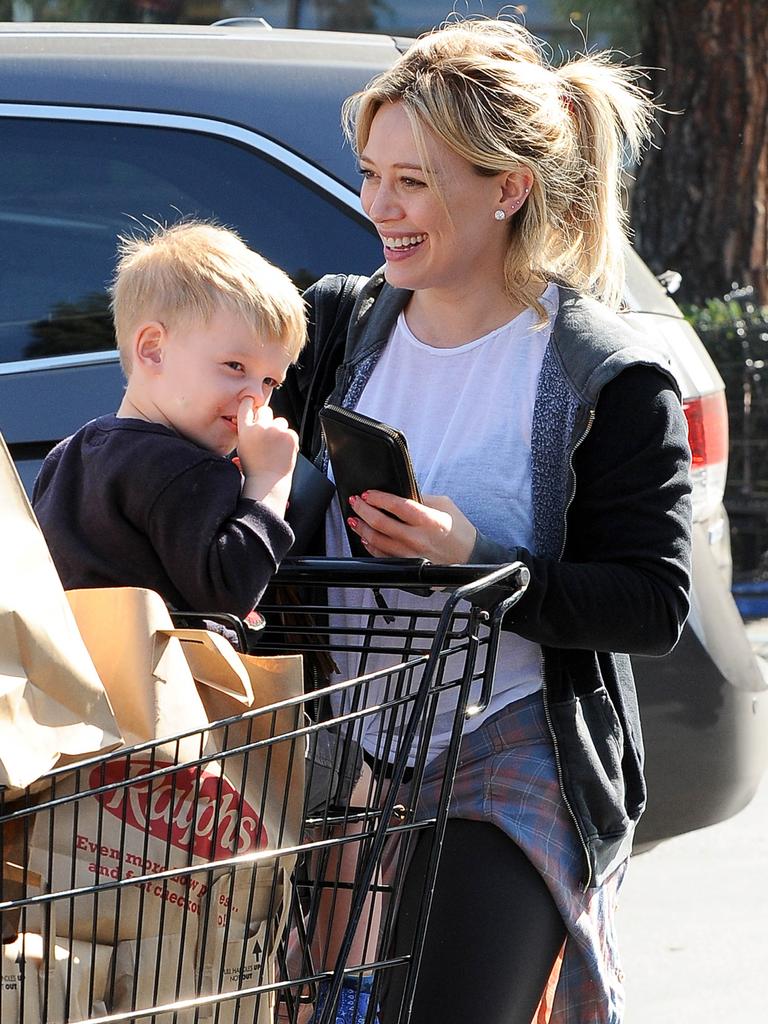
500	215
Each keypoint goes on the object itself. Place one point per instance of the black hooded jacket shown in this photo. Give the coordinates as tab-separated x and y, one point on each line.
610	574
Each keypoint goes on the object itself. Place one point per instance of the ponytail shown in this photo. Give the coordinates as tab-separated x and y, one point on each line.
612	121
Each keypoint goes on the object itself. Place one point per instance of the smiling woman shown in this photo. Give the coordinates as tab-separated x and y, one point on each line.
542	429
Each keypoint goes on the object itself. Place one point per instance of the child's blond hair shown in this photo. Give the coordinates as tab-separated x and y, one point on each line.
187	271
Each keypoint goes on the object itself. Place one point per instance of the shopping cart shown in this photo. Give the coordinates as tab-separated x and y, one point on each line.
144	885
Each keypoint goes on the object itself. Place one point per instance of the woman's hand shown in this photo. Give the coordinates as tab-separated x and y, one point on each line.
436	530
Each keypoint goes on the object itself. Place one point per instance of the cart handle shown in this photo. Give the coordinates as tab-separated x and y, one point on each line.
382	572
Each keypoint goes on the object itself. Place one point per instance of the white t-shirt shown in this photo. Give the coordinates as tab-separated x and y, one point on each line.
467	415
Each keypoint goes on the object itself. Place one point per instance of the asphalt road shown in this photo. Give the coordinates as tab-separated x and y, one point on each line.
693	925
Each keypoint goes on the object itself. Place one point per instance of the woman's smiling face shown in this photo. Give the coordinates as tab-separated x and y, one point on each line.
442	239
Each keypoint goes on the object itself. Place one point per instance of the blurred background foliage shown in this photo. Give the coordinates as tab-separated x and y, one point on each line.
611	23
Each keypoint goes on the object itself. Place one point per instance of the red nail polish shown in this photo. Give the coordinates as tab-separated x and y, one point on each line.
352	500
365	495
352	522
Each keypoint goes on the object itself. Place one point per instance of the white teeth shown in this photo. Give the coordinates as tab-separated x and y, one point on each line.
403	242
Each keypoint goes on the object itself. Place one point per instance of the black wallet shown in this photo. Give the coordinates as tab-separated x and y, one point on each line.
366	455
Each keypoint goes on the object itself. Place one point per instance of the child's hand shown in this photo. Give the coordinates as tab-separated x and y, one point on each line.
267	448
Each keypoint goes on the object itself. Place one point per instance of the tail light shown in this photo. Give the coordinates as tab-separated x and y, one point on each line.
707	418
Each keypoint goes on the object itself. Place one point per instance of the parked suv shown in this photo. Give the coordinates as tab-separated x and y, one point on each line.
107	127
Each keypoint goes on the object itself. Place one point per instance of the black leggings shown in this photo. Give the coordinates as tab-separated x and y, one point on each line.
493	934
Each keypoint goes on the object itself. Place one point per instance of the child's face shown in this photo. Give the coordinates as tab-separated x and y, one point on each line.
202	372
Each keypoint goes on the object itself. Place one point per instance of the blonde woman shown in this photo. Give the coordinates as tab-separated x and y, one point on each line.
542	429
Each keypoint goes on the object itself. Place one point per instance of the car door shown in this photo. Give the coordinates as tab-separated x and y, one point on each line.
73	181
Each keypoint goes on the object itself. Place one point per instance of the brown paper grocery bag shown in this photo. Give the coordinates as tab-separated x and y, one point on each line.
179	802
149	972
191	678
46	979
247	905
239	935
272	774
52	988
142	662
51	698
138	827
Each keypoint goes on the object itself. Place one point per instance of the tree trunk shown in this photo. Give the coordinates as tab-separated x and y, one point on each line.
699	204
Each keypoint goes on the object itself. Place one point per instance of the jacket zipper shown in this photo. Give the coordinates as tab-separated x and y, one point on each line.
558	765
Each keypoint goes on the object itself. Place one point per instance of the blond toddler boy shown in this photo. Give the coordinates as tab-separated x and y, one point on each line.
147	497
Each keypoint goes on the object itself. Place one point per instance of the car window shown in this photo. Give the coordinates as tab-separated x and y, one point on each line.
69	189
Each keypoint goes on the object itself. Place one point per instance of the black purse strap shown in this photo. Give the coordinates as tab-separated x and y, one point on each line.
329	348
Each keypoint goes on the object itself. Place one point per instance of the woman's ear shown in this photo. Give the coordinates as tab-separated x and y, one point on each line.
149	346
515	187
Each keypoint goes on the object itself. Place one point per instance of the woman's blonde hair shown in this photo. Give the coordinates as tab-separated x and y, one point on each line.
190	270
486	89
